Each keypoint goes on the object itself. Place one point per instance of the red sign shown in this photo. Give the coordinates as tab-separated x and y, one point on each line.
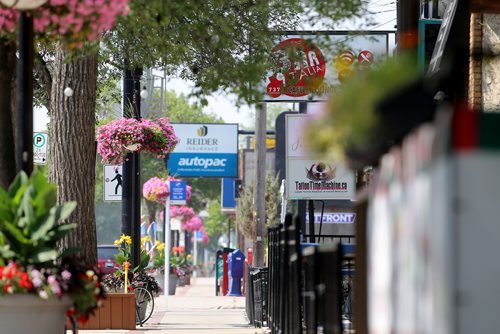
300	68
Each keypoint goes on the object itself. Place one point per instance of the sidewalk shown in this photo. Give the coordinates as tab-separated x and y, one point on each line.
194	310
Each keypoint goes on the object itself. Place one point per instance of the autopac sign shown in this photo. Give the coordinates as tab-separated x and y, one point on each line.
207	150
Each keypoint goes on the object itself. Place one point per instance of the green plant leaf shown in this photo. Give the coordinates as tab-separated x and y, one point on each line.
44	254
18	183
63	211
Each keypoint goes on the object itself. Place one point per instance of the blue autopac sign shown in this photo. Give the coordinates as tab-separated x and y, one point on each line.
178	192
205	150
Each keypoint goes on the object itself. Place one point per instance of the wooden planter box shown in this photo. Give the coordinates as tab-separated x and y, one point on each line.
117	312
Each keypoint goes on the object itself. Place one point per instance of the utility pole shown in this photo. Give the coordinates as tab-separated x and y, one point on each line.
259	181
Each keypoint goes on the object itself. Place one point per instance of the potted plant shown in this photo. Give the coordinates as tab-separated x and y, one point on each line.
122	136
137	276
159	268
39	284
182	264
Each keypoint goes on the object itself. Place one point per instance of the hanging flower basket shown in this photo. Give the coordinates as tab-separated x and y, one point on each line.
183	213
72	21
193	224
156	190
120	137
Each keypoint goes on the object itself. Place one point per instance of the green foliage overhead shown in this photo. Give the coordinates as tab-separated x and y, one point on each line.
30	220
222	45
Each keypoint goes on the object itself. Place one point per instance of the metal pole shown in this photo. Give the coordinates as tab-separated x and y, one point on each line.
195	250
131	209
168	246
24	98
127	193
301	204
259	189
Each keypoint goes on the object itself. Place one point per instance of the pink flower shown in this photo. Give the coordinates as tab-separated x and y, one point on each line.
155	189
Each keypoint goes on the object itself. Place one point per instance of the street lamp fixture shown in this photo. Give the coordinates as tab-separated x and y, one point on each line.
24	73
68	92
144	93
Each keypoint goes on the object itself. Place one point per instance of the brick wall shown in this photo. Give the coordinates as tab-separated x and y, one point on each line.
475	61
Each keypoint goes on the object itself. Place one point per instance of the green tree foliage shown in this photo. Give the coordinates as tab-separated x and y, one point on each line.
217	222
220	45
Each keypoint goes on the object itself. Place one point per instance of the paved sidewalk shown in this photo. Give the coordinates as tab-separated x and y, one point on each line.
195	310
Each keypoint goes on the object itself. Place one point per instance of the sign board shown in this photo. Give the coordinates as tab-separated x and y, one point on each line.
178	193
313	179
334	217
308	66
113	183
40	143
228	190
199	235
205	150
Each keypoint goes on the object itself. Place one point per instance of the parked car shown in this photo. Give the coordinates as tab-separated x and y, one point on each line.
106	258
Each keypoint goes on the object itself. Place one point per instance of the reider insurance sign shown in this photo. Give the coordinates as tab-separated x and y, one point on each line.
207	150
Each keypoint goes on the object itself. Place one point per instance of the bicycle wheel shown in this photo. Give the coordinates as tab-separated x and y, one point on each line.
144	305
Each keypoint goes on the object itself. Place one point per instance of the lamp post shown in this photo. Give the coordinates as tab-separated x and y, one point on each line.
24	94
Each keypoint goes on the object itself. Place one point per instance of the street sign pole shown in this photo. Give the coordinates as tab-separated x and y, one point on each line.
195	250
166	238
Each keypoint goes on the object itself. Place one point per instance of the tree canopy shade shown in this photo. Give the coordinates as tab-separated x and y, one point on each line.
218	44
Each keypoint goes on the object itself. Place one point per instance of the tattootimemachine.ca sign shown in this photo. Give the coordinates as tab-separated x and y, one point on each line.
313	179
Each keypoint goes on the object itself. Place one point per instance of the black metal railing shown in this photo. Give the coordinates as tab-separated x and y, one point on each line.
306	288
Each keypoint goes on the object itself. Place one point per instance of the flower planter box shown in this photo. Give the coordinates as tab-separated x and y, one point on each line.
117	312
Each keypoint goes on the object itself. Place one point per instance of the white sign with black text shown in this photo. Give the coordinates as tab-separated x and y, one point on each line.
313	179
40	143
113	183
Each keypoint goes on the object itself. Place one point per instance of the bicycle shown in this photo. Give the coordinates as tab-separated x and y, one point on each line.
144	305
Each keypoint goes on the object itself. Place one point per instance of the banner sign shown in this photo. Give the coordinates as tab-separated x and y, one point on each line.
206	150
228	190
312	179
308	65
178	193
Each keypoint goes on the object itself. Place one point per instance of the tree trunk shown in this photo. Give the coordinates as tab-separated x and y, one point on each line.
72	149
7	149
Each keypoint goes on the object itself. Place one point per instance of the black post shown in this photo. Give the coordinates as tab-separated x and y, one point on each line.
24	99
301	205
131	205
311	221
